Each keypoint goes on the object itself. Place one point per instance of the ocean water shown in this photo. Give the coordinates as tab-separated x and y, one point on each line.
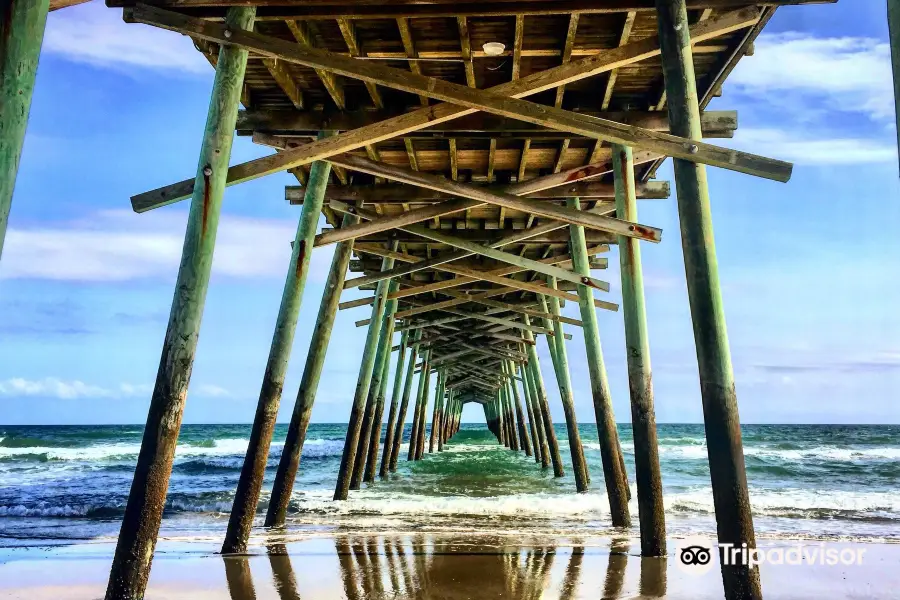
64	483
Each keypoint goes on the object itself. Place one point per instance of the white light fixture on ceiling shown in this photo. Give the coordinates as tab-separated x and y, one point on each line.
493	48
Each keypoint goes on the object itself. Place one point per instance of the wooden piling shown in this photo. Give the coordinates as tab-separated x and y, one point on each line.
435	414
567	397
146	500
354	425
501	420
614	475
510	419
395	405
382	355
246	497
441	414
420	443
21	33
404	405
525	441
720	410
651	511
539	392
417	409
375	429
309	382
541	454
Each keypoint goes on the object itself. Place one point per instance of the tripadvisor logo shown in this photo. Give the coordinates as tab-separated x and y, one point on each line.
694	555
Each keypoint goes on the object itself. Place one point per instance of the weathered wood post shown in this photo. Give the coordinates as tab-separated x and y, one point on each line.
539	393
441	413
246	497
404	406
510	418
651	511
309	382
610	451
567	397
417	410
436	413
541	453
348	457
395	405
382	354
501	420
420	445
520	416
720	410
22	25
375	428
146	500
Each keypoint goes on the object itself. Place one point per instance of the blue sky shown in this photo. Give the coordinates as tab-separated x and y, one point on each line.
809	268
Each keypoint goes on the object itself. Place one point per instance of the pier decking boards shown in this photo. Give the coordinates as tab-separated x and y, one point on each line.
474	163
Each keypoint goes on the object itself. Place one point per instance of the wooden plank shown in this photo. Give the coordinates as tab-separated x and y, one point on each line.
410	48
285	81
466	50
517	46
544	209
302	34
402	124
614	74
348	32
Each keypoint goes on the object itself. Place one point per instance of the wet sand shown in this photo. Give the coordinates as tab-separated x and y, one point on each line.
425	566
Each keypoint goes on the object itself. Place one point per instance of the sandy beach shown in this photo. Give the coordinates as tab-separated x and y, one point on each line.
433	566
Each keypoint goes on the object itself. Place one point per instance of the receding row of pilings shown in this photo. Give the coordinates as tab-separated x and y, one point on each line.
22	32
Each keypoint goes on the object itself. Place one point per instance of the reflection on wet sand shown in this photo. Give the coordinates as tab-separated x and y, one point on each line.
421	567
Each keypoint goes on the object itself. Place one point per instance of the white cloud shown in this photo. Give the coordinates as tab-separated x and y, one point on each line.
212	391
96	35
120	245
846	74
798	147
53	387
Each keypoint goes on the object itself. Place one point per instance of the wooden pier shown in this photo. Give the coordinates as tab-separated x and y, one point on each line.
474	162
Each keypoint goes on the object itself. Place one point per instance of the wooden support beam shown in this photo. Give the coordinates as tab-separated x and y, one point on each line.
613	472
21	35
285	81
544	209
717	388
614	74
402	124
466	50
640	377
250	482
397	438
348	32
302	33
410	48
289	463
354	426
143	512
